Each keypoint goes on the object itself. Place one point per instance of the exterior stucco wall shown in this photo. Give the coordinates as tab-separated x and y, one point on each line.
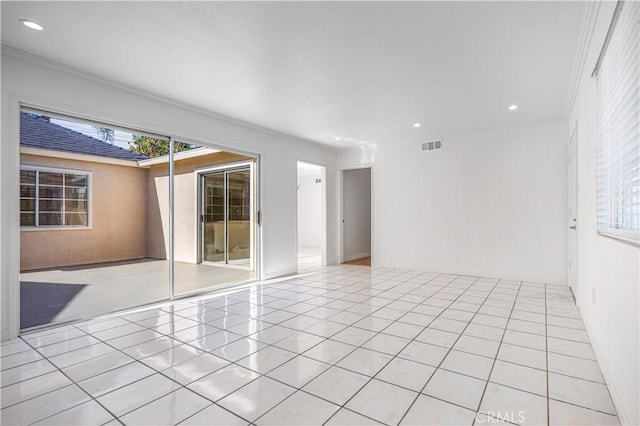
129	214
117	216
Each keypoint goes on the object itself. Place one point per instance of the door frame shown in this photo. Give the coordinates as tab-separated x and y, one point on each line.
572	213
341	184
199	174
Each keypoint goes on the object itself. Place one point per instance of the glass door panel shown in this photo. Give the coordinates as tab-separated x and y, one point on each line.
239	217
213	223
103	249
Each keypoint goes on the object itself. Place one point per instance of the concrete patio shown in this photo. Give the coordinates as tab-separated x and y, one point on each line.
107	287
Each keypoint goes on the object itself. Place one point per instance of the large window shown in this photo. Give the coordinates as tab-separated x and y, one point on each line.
53	198
618	156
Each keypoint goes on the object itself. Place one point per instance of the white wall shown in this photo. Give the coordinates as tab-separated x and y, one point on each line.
356	214
38	83
491	204
309	207
608	267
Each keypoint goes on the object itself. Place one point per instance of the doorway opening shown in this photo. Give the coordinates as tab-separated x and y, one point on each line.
356	216
311	216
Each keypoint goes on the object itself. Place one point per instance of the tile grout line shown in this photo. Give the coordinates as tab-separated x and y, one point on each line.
411	341
397	320
279	365
451	349
331	336
345	326
335	365
185	386
264	374
73	383
134	360
340	406
155	371
515	301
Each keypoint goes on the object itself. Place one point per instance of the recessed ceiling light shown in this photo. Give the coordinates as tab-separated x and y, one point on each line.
337	138
416	125
32	25
513	107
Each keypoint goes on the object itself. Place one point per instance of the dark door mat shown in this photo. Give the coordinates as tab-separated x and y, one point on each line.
41	302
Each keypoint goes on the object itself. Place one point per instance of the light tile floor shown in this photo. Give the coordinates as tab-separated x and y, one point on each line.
341	345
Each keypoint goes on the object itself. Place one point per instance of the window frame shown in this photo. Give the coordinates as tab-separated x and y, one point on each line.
604	227
89	201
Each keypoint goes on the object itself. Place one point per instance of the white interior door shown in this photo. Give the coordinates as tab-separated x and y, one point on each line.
573	212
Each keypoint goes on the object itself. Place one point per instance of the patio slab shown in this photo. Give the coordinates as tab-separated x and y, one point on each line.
88	290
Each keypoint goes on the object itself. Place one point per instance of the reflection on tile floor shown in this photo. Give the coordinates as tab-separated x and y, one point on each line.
341	345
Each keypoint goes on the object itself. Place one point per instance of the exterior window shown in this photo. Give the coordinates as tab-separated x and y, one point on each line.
53	198
618	160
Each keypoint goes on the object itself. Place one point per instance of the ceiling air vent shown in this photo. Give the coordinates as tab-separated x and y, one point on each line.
432	145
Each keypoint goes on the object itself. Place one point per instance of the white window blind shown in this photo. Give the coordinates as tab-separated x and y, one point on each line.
618	115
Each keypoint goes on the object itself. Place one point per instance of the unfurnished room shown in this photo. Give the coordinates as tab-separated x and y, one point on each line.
320	213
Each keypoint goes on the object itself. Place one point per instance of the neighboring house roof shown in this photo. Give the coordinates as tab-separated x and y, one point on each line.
38	132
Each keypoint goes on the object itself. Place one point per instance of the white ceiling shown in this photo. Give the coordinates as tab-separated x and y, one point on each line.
361	71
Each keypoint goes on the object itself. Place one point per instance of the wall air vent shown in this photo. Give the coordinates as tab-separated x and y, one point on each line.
432	145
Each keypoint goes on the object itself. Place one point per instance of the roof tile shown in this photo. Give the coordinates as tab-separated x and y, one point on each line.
37	132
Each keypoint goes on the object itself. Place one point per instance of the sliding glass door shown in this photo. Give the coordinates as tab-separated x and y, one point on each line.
113	219
227	217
